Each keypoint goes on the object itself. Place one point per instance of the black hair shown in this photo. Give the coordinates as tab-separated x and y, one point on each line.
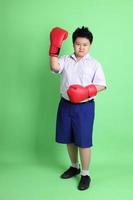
82	32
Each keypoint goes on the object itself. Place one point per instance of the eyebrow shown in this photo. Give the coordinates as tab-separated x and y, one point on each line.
82	43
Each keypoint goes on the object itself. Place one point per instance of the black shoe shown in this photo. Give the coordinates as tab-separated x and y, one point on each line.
84	182
72	171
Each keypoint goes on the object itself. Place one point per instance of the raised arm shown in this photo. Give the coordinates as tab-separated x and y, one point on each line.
57	35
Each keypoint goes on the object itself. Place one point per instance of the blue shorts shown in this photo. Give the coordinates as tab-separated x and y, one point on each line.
74	123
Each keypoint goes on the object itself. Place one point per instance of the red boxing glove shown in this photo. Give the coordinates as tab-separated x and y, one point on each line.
78	93
57	35
92	90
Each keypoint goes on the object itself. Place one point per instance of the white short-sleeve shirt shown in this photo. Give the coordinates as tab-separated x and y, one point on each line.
84	72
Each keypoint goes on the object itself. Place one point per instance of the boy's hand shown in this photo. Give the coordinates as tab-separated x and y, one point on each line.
57	35
78	93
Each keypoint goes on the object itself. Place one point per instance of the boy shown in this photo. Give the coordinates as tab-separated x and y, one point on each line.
82	78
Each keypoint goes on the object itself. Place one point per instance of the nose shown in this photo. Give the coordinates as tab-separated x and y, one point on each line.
81	48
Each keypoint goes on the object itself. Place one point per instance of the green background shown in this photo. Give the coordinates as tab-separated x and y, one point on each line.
30	160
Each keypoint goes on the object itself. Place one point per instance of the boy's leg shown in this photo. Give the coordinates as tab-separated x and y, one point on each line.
73	152
85	157
74	169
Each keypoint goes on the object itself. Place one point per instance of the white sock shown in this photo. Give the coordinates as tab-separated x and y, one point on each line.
85	173
75	165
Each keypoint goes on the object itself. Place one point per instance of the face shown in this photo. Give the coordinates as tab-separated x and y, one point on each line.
81	46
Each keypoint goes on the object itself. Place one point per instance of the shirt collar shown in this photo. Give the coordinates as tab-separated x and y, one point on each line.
87	56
